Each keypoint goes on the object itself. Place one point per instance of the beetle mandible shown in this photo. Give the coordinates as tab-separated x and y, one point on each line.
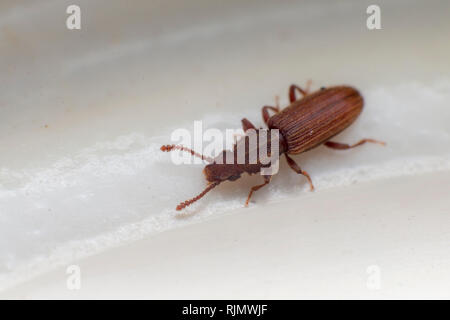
303	125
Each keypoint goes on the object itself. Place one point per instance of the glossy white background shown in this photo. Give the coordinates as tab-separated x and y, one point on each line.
83	114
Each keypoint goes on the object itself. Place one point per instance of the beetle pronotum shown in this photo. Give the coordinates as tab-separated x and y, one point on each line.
303	125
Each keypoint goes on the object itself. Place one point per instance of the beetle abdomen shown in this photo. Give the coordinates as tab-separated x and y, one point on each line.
310	121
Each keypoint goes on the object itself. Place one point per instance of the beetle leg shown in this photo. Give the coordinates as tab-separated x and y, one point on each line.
293	88
344	146
246	124
297	169
256	188
265	112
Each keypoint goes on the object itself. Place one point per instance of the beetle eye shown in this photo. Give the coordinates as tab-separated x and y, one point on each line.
322	88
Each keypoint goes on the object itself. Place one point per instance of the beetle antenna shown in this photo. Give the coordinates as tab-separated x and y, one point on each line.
171	147
186	203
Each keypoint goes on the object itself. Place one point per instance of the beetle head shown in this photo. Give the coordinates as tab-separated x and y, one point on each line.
220	172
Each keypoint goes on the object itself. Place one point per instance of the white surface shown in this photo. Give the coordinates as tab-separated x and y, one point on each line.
321	247
84	113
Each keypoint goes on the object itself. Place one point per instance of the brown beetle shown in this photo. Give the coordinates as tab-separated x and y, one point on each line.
303	125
